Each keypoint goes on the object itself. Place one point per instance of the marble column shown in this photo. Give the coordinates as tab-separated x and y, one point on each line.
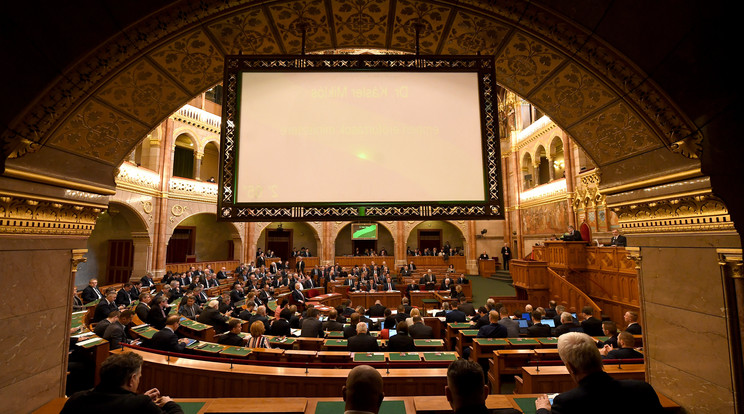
141	258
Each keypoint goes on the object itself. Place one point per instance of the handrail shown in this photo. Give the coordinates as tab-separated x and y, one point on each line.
583	297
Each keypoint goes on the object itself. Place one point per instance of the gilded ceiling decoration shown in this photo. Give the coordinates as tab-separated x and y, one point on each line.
103	106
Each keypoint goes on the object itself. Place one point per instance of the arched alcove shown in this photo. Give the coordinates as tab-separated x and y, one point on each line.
543	166
210	162
345	246
111	246
435	233
183	156
528	172
203	238
558	165
293	235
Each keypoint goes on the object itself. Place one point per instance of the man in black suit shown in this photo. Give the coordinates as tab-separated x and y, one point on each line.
211	316
106	306
117	391
91	292
493	329
571	235
232	337
466	307
115	333
455	315
333	324
401	315
420	331
261	317
363	390
631	318
538	329
626	342
122	297
166	338
222	274
265	295
236	294
147	281
350	330
567	325
280	326
428	280
388	285
362	341
300	265
506	255
297	294
158	312
483	256
595	387
376	310
143	307
618	239
310	326
591	325
401	342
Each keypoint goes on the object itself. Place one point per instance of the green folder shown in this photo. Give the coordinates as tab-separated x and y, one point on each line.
439	356
336	342
197	326
192	407
146	331
236	351
458	325
335	334
403	356
92	344
427	342
371	357
94	303
492	341
337	407
548	341
527	405
287	341
469	332
523	341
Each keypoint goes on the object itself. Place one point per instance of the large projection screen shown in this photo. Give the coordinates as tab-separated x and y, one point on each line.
359	137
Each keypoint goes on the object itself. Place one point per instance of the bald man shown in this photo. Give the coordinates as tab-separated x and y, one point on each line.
363	390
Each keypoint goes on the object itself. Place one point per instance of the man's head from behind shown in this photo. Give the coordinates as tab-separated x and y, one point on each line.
466	385
363	389
579	353
122	370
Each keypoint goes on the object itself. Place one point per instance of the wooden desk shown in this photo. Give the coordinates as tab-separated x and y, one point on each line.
389	299
556	378
451	332
465	338
667	404
328	299
418	296
486	267
507	362
439	404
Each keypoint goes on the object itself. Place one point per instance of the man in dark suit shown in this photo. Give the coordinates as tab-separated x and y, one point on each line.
571	235
483	256
401	342
237	295
120	376
232	337
429	280
493	329
300	265
567	325
106	306
333	324
538	329
115	332
280	326
595	387
166	338
362	341
420	331
143	307
222	274
122	297
265	295
631	318
376	310
388	285
618	239
211	316
350	330
158	312
147	281
297	294
626	342
455	315
591	325
466	307
506	255
261	317
91	292
310	326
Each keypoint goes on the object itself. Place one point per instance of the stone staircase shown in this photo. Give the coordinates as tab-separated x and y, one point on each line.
502	275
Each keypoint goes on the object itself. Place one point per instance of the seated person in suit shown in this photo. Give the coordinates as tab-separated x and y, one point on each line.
512	326
493	329
595	387
362	341
260	316
538	329
571	235
618	239
481	318
591	325
77	303
455	316
631	318
334	323
158	312
280	326
189	309
297	295
609	328
445	310
626	341
117	391
420	331
106	305
211	316
232	336
401	315
350	330
311	327
122	296
115	333
466	307
376	310
91	292
103	324
363	390
166	338
567	325
466	388
462	280
401	341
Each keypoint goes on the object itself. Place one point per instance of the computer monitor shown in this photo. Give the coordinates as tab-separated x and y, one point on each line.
523	323
526	316
549	322
392	332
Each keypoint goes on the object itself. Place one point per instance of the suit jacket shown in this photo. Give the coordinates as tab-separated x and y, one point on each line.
77	304
263	319
90	294
103	309
155	317
420	331
333	326
592	327
568	327
311	328
298	296
634	328
376	311
456	316
300	266
624	353
101	327
221	275
512	327
401	343
575	236
349	331
467	308
123	298
115	335
146	281
105	399
596	389
142	310
213	317
231	339
363	343
493	330
166	340
620	240
280	327
538	330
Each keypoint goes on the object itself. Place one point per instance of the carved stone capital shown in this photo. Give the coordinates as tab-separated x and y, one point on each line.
78	256
731	263
634	254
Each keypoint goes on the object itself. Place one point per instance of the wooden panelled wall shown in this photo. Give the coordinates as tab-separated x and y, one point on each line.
605	275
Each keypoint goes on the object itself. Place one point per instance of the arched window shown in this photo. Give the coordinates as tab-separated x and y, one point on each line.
558	161
543	166
183	157
527	172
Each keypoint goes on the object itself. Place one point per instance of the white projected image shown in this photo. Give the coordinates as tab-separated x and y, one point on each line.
359	137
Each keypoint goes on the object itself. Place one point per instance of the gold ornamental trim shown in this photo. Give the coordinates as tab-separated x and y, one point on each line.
661	198
652	181
12	172
21	215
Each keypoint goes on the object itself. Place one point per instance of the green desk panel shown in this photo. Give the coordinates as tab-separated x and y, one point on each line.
439	356
371	357
403	356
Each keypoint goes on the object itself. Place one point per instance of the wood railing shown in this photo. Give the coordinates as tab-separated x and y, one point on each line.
543	284
569	294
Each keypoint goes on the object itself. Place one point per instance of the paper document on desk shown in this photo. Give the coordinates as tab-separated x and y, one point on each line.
88	341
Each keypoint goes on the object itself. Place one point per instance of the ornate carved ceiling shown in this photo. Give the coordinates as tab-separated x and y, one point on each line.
106	103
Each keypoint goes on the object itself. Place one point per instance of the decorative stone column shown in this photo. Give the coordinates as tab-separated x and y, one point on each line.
732	278
470	253
197	165
142	254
